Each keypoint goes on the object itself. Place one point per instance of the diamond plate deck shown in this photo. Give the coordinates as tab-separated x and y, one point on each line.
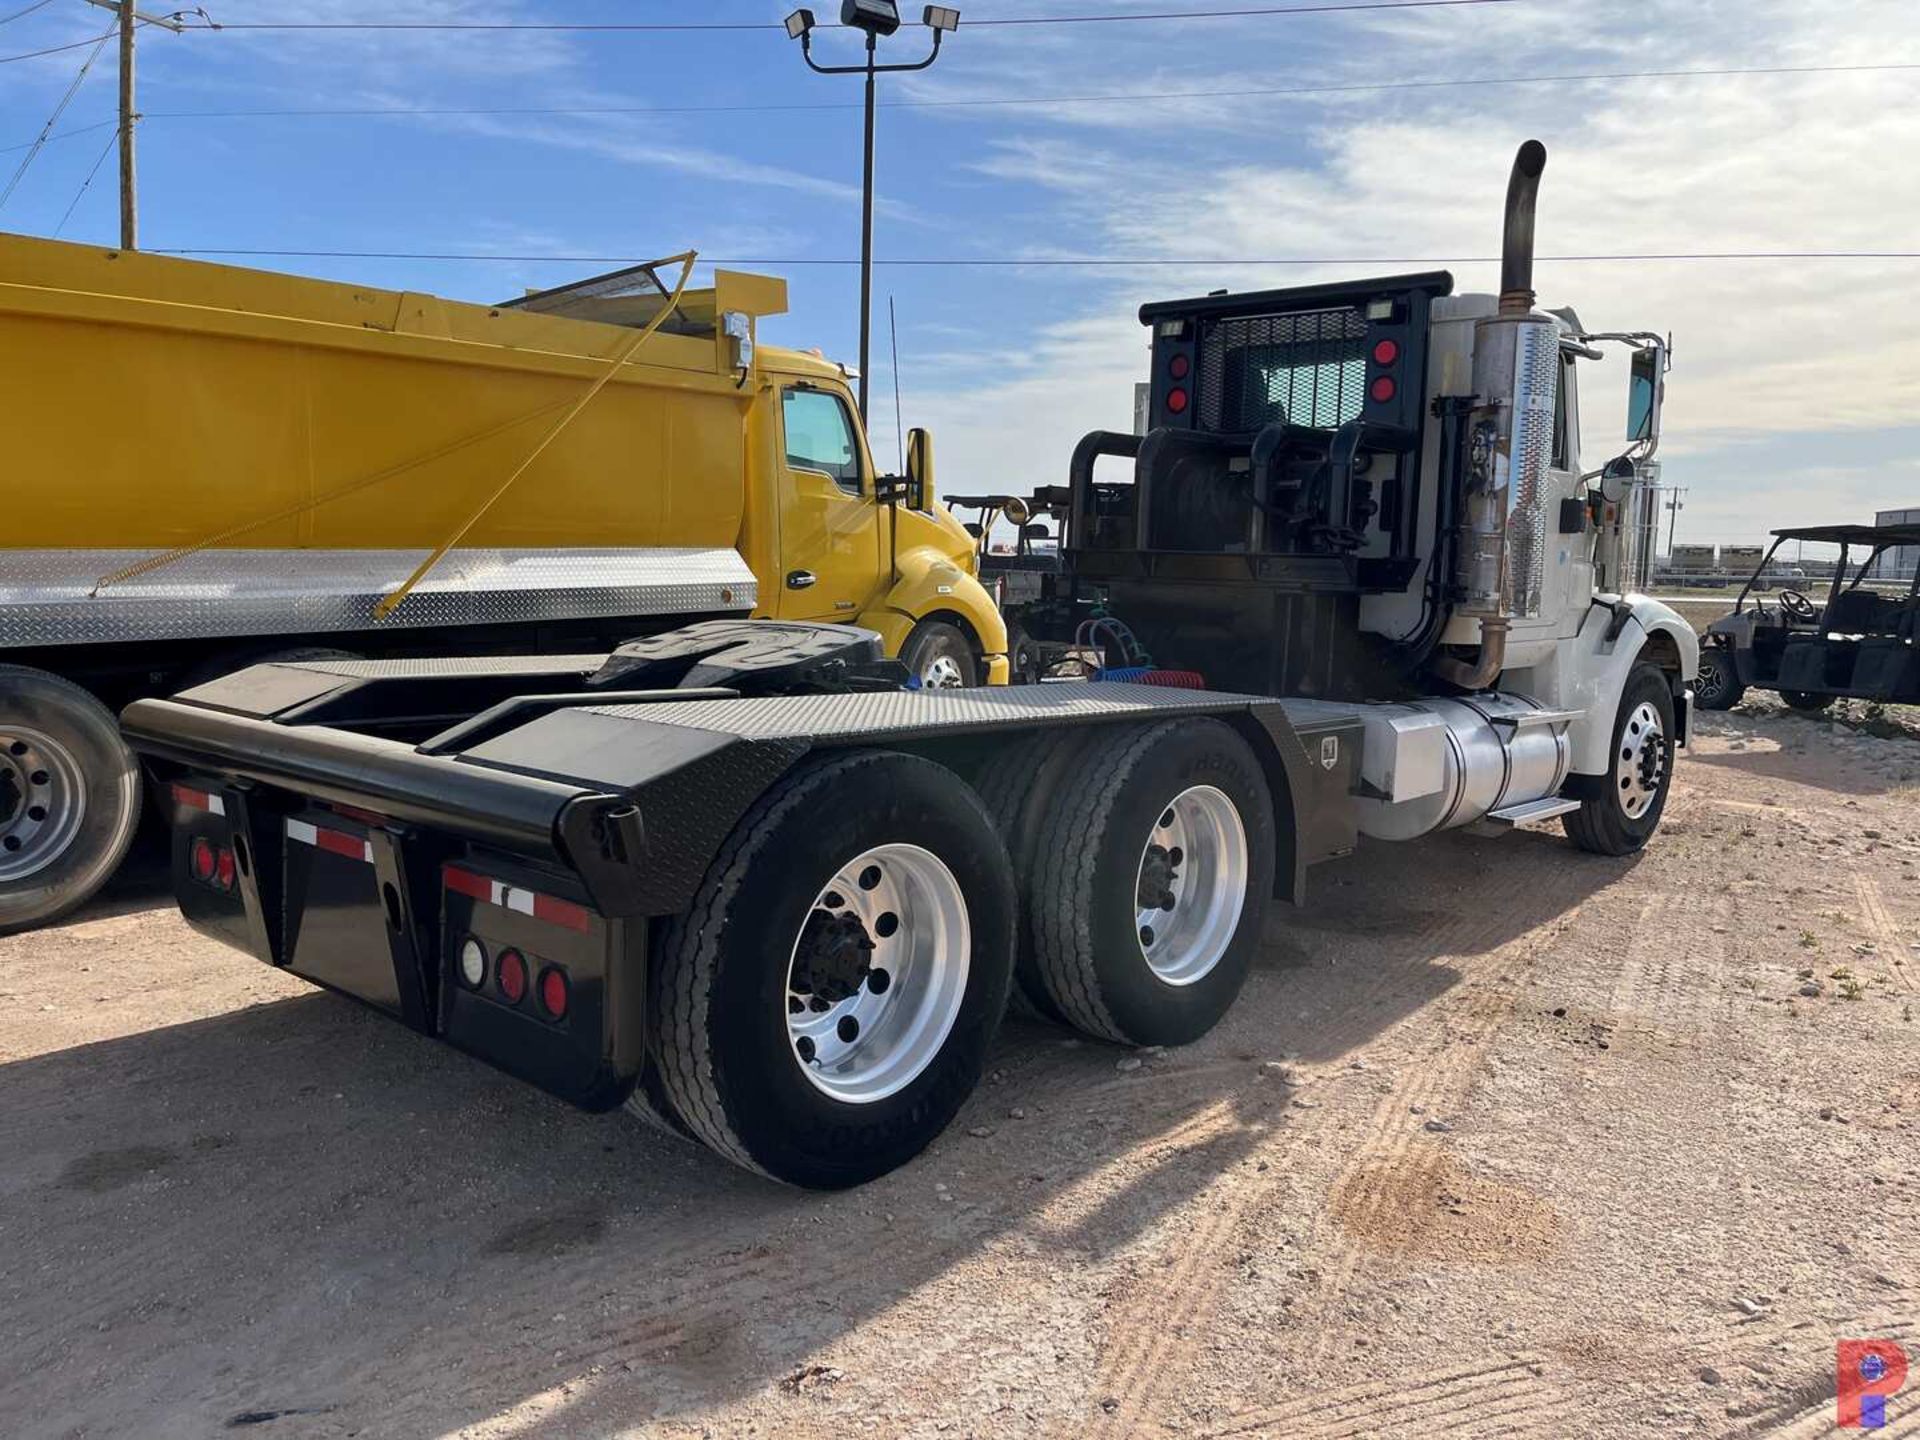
905	714
45	599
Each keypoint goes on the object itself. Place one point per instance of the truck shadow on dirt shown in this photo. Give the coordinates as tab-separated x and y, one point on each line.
303	1212
1808	750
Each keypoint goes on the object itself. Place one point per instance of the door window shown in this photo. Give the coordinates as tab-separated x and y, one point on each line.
1562	420
820	436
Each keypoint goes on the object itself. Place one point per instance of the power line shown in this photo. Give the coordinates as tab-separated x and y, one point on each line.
53	49
54	119
74	203
60	135
22	14
1135	97
1064	262
670	26
1131	98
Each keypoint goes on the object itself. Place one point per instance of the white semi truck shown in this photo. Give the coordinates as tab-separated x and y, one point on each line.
747	880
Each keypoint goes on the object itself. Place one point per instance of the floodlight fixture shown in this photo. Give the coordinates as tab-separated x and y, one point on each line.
876	17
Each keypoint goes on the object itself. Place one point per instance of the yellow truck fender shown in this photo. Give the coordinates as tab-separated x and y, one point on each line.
932	587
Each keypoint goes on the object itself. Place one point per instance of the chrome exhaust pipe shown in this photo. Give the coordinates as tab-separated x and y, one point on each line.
1501	541
1516	241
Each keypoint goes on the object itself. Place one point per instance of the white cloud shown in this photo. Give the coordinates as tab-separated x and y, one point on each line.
1806	162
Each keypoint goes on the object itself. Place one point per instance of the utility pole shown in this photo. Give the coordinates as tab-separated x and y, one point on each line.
130	19
1674	507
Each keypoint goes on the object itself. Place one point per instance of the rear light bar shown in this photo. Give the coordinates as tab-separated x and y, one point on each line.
212	865
487	891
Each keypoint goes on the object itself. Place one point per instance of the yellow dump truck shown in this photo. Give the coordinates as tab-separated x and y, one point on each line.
206	466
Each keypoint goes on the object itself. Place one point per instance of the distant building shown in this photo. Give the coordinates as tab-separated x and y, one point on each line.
1901	561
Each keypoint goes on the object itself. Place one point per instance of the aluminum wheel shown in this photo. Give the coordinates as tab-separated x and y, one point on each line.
1642	767
878	973
1192	885
942	672
43	799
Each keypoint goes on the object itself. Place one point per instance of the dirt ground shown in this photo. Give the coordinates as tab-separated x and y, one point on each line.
1501	1140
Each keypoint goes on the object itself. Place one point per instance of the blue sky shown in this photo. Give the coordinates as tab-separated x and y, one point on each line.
1796	389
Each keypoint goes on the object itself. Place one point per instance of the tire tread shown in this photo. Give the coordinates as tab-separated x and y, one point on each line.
1062	921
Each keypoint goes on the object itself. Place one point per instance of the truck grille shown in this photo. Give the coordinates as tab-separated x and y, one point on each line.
1309	367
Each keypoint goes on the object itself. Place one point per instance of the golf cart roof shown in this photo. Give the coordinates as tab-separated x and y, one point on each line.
1904	534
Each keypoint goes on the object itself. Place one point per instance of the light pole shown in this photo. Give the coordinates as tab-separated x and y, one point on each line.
875	18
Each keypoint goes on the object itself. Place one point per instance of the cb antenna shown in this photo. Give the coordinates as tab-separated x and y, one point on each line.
893	338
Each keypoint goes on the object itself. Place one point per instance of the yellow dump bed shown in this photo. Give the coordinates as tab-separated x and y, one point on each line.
154	403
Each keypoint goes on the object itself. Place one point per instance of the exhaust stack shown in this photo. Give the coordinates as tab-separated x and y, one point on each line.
1516	238
1500	551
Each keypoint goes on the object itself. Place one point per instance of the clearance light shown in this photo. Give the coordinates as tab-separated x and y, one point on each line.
473	963
553	993
1177	401
512	974
1383	389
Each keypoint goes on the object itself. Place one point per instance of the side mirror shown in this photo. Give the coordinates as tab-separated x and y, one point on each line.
920	492
1644	397
1614	478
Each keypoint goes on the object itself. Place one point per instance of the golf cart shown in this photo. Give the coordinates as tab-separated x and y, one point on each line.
1859	643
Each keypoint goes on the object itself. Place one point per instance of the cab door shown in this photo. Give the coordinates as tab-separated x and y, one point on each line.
830	534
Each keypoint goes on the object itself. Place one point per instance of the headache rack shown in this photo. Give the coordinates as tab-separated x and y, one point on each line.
1280	477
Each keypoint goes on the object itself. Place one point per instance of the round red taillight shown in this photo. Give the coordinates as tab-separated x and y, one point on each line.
1386	352
1178	367
553	993
1382	389
200	859
223	869
1177	401
511	971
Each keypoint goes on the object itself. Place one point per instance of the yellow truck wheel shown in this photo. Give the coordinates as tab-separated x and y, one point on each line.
69	796
940	657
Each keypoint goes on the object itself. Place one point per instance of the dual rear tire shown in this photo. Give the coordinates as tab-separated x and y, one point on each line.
826	1005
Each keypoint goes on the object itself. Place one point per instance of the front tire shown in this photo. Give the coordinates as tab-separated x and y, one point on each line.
69	797
940	657
1718	687
1622	809
1151	882
825	1006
